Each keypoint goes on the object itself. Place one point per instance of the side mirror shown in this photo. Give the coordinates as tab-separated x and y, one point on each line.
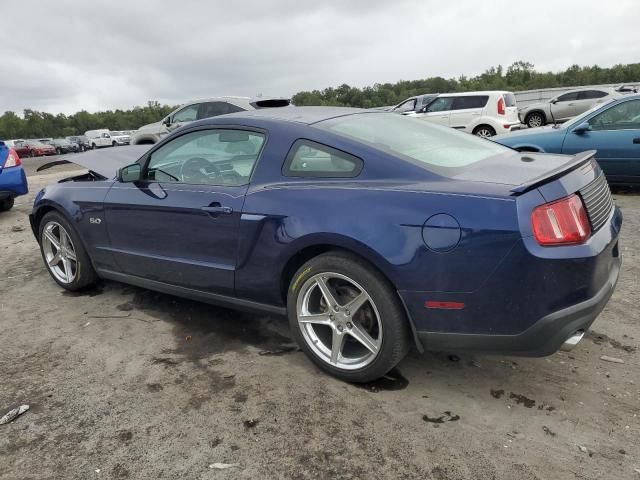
167	121
130	173
582	128
554	101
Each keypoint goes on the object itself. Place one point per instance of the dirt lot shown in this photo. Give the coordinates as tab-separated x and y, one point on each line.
127	383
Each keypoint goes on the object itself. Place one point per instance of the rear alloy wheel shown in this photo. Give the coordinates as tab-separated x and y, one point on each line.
114	144
347	318
63	253
6	204
484	131
535	119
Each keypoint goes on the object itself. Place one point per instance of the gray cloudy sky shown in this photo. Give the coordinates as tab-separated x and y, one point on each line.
65	55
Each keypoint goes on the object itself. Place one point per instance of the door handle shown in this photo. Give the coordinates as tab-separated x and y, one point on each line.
636	141
217	209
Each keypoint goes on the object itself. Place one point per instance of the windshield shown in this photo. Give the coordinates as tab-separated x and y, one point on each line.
578	120
414	139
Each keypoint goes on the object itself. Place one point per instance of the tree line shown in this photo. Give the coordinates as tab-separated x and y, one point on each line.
34	124
518	76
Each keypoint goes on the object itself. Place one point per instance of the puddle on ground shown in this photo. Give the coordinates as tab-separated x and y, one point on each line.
522	400
392	381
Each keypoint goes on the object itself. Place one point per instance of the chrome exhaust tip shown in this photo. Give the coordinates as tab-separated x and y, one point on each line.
572	341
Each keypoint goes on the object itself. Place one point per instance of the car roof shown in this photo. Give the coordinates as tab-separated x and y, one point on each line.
304	115
584	89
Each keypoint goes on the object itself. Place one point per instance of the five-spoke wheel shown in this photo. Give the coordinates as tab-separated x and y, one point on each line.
347	317
63	252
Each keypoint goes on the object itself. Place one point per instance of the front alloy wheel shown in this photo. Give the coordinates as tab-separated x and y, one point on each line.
59	253
339	321
485	132
63	253
535	120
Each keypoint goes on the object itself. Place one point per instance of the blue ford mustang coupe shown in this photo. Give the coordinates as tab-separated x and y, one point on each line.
612	128
370	230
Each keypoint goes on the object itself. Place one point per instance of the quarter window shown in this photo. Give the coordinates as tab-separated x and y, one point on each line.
624	116
209	157
472	101
310	159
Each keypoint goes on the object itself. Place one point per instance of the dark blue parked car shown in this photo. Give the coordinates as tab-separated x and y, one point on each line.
13	181
371	231
613	129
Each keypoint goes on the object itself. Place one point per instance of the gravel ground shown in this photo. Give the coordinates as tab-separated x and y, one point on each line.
127	383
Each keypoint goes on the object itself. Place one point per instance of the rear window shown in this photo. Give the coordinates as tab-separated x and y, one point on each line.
471	101
433	146
509	99
591	94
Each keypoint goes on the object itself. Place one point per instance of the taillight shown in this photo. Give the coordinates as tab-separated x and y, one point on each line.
563	222
12	160
501	106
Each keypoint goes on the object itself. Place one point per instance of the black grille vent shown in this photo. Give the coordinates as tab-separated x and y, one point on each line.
598	200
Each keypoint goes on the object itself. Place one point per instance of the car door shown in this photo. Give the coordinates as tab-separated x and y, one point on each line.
563	107
615	134
438	111
179	223
466	110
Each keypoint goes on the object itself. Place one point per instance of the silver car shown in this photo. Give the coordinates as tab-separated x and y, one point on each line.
197	110
565	106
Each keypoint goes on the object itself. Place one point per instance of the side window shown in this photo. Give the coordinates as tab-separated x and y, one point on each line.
187	114
624	116
408	106
440	104
591	94
475	101
207	157
310	159
213	109
568	97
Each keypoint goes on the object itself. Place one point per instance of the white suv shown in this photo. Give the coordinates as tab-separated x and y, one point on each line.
482	113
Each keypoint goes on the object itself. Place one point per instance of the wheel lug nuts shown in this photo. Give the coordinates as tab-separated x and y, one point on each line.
349	325
348	312
340	328
331	317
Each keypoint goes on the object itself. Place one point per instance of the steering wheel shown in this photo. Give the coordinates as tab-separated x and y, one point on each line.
198	170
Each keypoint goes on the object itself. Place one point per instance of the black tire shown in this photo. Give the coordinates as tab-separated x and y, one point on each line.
93	146
484	131
58	151
396	338
535	119
85	274
114	144
31	154
6	204
82	148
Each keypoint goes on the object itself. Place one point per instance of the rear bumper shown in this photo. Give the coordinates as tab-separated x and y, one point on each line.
13	182
545	337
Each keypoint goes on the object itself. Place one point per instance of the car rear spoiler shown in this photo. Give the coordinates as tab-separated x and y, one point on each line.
578	160
271	103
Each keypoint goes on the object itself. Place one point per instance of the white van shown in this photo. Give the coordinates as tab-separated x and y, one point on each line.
482	113
100	138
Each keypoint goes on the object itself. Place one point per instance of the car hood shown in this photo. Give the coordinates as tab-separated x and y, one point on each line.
151	127
528	132
104	162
